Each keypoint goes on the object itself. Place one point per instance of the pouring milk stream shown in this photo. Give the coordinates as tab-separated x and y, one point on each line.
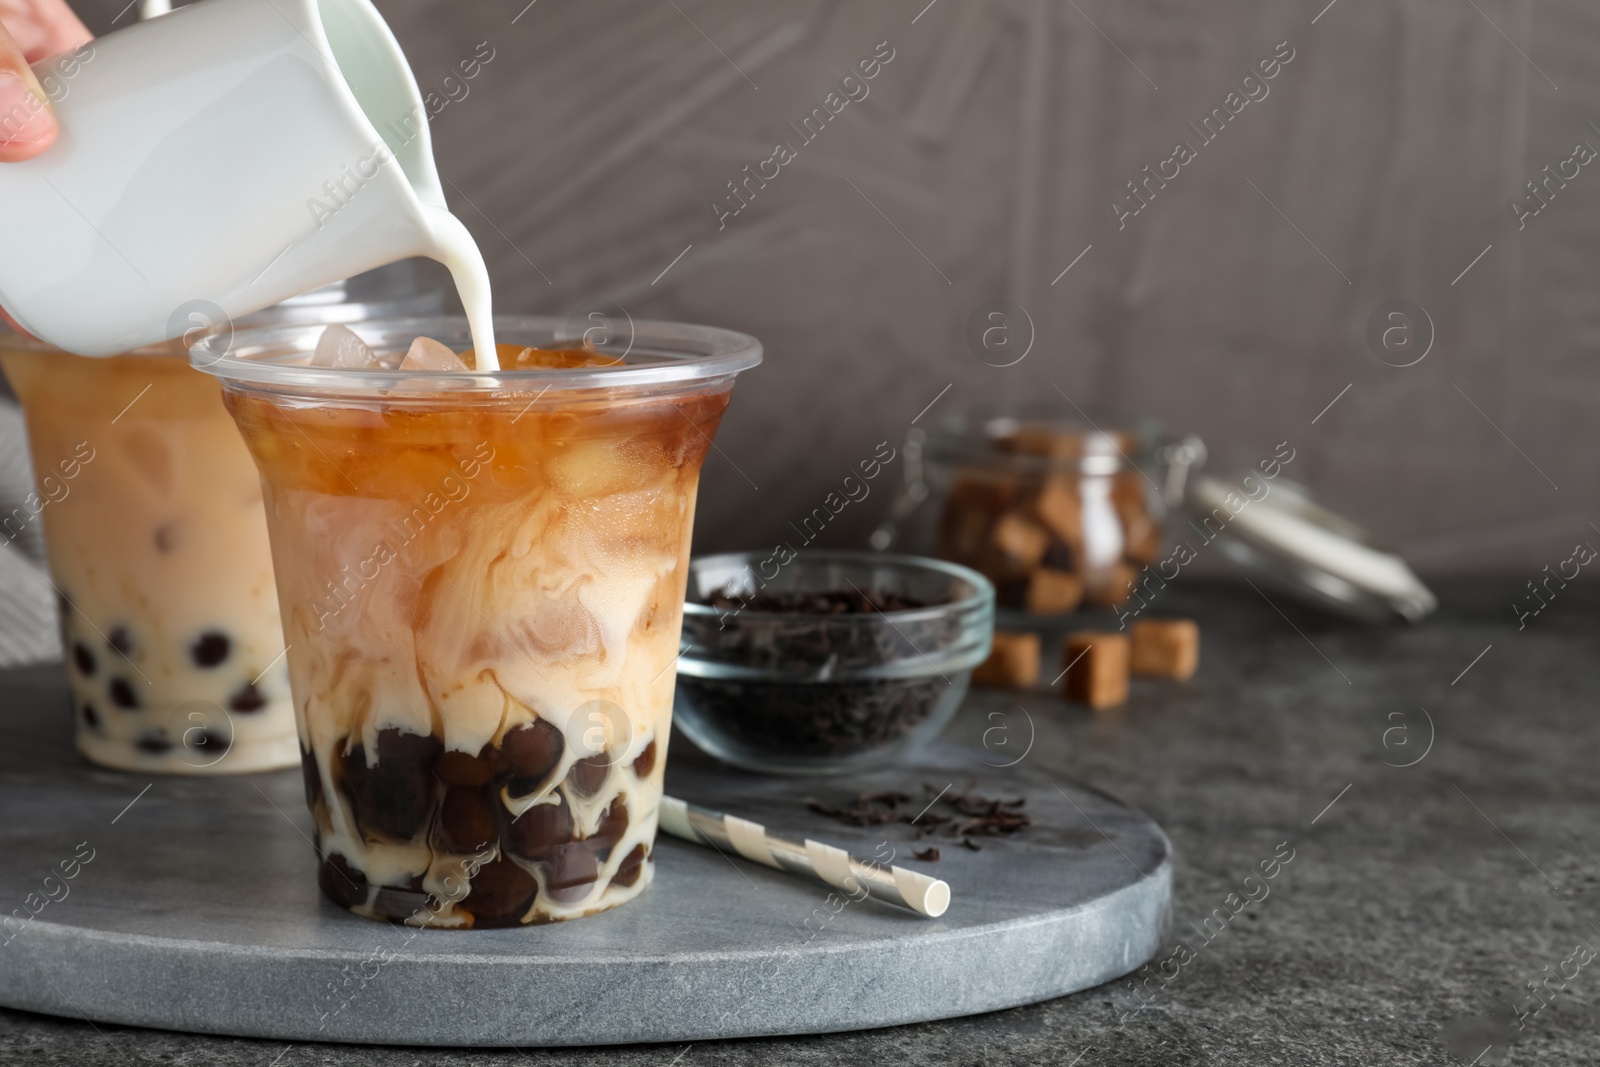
220	159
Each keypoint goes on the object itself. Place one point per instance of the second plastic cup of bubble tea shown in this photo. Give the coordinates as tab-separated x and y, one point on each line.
151	510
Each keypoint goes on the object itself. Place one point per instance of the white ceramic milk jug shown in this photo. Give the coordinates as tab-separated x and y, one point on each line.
212	162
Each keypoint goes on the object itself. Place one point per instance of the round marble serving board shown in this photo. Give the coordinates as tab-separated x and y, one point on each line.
199	911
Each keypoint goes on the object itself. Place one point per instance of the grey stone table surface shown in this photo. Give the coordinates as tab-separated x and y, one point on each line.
1434	786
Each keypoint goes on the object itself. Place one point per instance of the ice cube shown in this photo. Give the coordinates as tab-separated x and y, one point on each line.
428	354
340	347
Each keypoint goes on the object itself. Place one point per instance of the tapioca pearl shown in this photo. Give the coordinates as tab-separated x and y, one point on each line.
613	824
91	717
589	774
153	744
247	698
120	640
83	659
500	890
340	882
646	761
467	821
463	768
313	778
528	754
210	649
123	695
628	870
540	829
209	742
570	873
394	798
166	538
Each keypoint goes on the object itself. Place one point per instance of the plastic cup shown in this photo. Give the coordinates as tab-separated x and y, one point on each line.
482	578
151	510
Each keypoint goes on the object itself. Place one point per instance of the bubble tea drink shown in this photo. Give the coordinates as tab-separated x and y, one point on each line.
481	577
151	510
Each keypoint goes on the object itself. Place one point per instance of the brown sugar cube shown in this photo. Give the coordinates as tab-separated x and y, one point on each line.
1141	537
1053	592
1111	586
1013	662
1061	511
975	501
1166	648
1022	541
1097	669
963	533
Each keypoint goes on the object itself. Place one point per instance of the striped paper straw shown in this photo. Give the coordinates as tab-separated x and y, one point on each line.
895	885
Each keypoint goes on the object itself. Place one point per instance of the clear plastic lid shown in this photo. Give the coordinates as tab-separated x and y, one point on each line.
1288	540
643	356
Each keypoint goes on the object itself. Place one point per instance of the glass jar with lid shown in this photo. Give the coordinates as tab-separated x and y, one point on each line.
1097	510
1058	513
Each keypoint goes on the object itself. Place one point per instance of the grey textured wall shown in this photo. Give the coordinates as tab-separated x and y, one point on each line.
588	153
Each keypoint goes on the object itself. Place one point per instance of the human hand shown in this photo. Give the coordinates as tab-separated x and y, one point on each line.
30	30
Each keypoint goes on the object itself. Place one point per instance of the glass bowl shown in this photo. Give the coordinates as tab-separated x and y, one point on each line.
802	692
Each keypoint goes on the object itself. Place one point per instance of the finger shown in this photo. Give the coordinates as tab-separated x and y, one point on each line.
42	28
27	126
